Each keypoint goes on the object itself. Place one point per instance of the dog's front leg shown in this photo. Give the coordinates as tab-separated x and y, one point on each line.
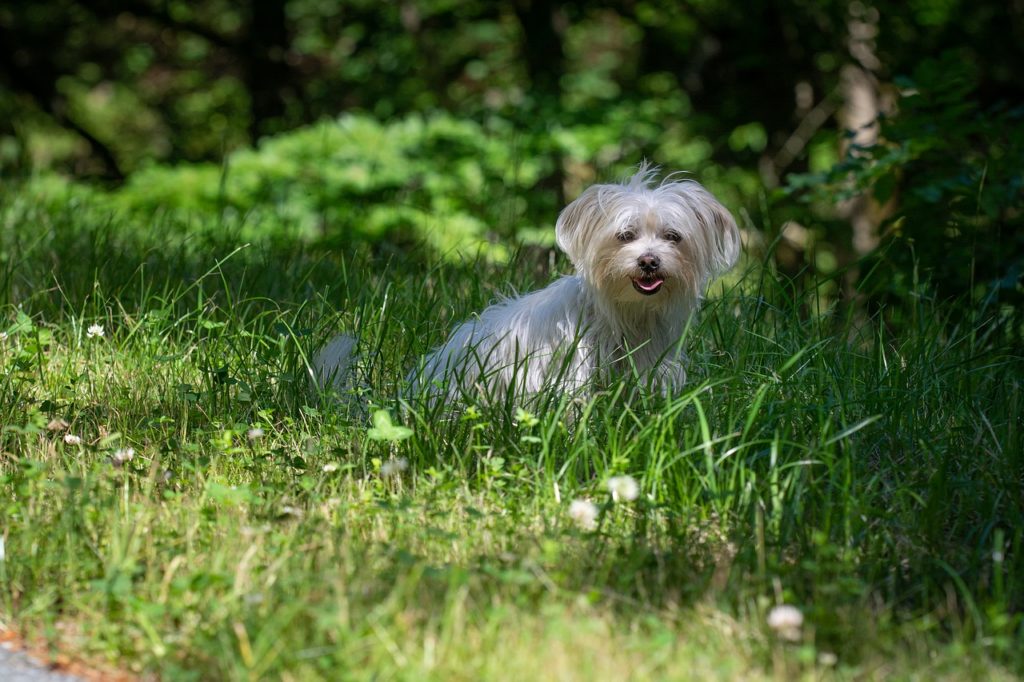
670	377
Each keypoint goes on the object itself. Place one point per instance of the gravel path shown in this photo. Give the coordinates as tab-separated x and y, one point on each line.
17	666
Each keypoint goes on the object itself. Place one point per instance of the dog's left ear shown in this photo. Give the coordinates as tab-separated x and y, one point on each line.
725	235
721	236
578	222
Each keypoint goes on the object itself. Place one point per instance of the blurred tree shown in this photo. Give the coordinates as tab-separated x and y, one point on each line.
32	61
252	68
747	94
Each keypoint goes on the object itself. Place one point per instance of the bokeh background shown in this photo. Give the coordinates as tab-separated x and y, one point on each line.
872	151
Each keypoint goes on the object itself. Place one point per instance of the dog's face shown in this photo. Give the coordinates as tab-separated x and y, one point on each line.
635	243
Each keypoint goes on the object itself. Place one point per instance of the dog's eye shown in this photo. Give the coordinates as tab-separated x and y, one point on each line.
673	236
627	236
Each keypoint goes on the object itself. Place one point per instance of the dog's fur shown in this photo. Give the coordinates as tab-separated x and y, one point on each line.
643	254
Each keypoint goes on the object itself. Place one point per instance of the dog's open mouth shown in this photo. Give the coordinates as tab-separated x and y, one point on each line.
648	285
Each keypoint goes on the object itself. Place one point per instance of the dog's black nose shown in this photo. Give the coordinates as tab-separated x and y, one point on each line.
649	262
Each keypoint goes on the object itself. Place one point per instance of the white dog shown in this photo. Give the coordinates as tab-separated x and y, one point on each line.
643	254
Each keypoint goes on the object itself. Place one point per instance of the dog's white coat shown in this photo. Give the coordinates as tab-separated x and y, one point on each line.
596	321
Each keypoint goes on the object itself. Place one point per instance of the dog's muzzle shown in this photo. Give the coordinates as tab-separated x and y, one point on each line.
649	282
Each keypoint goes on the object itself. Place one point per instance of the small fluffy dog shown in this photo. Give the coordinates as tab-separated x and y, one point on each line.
643	254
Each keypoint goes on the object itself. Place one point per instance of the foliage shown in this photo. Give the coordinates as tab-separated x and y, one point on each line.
450	185
542	97
440	181
951	174
175	80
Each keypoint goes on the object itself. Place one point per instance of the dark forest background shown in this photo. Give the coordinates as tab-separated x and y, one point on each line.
873	151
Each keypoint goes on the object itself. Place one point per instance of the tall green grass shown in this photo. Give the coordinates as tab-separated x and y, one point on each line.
870	476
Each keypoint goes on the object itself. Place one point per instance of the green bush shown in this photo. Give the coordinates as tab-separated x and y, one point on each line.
440	181
461	188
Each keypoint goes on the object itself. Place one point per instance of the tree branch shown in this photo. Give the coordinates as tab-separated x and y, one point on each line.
160	16
799	138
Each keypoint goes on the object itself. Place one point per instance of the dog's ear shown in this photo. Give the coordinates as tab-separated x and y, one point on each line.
578	222
724	234
720	235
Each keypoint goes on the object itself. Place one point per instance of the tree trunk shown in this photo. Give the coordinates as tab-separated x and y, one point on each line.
544	56
268	77
858	116
542	47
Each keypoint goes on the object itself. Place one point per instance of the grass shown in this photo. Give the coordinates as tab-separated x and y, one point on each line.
259	532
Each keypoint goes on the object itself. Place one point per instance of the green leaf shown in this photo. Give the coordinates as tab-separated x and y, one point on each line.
525	418
384	429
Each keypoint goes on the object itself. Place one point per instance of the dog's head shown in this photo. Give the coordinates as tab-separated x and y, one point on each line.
638	241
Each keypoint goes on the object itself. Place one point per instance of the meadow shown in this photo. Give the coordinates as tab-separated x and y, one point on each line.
178	502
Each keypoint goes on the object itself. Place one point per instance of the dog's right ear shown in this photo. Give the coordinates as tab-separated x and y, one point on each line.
579	221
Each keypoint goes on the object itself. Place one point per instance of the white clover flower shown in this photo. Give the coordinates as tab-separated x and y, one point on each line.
122	455
786	621
3	336
95	330
255	433
72	439
623	488
394	467
827	659
330	466
584	514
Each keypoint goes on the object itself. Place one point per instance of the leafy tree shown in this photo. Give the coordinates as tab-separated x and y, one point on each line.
742	94
948	169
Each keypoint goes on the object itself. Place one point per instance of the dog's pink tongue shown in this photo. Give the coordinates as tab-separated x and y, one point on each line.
649	284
